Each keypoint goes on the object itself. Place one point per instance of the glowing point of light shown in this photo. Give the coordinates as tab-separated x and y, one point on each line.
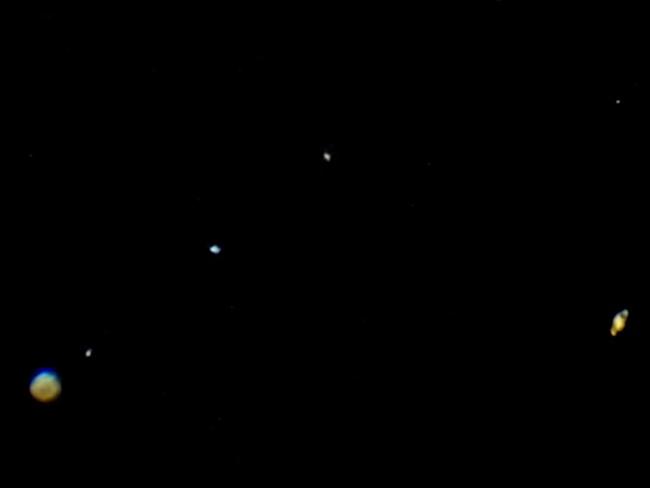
45	386
89	352
327	157
215	249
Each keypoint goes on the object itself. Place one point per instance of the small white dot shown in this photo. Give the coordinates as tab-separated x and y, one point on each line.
89	352
618	101
327	156
215	249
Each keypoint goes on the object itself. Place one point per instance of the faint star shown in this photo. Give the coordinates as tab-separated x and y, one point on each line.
327	156
618	101
89	352
214	249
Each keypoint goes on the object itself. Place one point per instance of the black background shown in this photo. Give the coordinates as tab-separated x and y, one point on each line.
439	294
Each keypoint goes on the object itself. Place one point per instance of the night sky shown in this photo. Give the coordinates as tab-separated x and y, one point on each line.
425	221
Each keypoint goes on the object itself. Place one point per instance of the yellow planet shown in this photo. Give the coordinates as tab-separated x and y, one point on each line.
618	324
45	387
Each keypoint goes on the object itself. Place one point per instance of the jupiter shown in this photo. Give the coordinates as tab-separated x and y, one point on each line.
45	386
